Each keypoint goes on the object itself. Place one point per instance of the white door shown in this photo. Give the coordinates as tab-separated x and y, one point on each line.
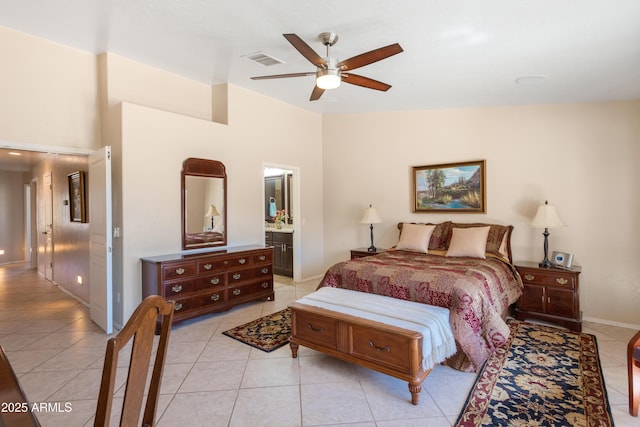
100	272
48	227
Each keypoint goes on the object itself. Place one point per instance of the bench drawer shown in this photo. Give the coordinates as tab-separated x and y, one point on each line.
315	328
381	347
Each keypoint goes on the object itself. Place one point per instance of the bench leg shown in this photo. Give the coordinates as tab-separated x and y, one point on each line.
294	349
415	389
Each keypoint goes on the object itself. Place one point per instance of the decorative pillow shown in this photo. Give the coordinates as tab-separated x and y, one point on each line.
495	240
439	237
415	237
471	242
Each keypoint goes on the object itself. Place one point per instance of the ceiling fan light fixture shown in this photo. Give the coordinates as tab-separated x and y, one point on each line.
328	79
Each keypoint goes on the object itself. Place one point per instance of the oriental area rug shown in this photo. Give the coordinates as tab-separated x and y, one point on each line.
542	376
267	333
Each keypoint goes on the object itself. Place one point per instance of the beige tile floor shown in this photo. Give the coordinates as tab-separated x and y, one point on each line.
212	380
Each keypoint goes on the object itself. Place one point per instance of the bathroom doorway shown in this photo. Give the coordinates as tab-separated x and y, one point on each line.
281	214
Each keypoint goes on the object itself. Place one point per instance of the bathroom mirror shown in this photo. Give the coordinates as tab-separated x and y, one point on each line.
204	203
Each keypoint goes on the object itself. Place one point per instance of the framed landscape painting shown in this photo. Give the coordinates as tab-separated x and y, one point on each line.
451	187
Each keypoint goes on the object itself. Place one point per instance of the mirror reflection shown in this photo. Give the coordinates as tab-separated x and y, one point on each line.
204	203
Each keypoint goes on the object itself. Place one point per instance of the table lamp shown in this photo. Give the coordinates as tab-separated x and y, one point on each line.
546	217
370	217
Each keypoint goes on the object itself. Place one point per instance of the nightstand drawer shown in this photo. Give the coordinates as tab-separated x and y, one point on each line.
542	277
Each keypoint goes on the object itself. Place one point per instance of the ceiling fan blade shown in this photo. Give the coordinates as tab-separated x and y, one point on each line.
355	79
369	57
316	94
282	76
305	50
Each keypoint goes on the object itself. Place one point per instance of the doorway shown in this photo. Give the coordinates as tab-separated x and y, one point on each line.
281	217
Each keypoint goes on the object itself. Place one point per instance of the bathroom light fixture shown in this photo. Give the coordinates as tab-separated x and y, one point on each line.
546	217
371	217
212	212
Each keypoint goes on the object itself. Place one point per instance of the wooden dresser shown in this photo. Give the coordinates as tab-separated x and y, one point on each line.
208	282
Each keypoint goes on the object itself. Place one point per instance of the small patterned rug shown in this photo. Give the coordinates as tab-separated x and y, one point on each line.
267	333
542	376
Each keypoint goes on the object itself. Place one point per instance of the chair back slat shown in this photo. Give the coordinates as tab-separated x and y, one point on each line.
140	329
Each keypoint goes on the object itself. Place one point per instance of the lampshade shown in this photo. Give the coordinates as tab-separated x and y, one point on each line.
212	211
546	217
370	216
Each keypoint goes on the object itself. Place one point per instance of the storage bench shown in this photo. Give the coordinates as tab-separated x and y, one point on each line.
372	339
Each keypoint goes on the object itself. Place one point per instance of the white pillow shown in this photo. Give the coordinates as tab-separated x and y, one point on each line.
470	242
415	237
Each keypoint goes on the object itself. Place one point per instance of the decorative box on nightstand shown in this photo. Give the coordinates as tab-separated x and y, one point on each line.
363	252
550	294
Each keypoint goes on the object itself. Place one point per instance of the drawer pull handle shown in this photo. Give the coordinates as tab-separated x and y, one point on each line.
237	292
215	297
265	285
177	307
561	281
262	257
264	270
242	260
320	329
215	280
208	266
529	277
179	271
236	276
386	348
176	288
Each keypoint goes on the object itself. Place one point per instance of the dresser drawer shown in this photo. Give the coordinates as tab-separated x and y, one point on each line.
249	290
176	271
211	281
185	304
212	298
237	261
548	278
315	328
179	288
383	348
263	257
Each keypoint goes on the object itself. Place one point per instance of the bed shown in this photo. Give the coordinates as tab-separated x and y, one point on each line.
466	268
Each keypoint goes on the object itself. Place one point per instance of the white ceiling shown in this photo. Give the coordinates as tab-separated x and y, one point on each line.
457	53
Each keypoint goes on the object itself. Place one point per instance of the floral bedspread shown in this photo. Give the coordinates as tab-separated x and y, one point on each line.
477	292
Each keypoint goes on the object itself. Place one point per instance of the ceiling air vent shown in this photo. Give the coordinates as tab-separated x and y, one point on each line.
262	59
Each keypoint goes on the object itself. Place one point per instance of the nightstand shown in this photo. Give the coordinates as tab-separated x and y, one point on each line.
550	294
363	252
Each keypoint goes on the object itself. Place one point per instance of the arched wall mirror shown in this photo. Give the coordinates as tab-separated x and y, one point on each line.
204	203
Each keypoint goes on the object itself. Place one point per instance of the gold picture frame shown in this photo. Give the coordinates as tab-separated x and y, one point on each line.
450	187
77	201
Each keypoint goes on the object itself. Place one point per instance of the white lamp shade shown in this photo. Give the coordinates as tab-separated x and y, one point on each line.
212	211
546	217
370	216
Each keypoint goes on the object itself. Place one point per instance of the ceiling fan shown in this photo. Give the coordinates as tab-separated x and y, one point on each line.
330	72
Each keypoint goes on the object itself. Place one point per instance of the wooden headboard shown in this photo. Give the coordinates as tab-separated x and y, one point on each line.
506	239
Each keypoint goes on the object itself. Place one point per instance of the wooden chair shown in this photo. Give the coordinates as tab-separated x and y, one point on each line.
141	327
633	362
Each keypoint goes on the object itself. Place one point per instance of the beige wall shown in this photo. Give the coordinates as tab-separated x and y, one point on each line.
48	93
579	157
154	145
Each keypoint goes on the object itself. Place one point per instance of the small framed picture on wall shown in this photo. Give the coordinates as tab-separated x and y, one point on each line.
77	202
